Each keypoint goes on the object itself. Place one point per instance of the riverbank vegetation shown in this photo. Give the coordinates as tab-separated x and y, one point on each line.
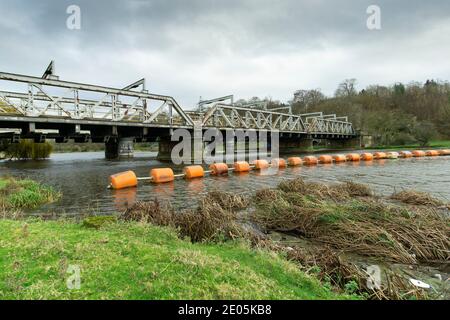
19	194
301	240
335	232
29	150
26	149
345	217
438	144
141	261
96	147
128	259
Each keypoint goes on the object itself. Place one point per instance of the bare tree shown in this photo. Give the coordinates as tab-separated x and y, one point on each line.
305	99
347	88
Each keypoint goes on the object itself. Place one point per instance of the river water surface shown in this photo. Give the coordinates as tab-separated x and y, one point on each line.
82	178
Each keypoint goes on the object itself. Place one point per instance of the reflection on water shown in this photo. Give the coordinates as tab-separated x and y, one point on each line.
196	185
124	198
83	177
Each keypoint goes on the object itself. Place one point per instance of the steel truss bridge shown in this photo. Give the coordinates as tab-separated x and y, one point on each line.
48	107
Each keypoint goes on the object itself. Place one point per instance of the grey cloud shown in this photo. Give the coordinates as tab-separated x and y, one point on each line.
199	47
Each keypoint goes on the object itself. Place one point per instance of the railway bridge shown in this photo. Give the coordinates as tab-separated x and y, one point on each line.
46	107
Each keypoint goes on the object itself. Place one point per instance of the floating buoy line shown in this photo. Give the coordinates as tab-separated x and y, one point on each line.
128	179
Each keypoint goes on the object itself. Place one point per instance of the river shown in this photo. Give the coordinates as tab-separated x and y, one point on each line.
82	178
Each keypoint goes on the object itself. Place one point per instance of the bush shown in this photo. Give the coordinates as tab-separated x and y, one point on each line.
20	194
425	131
28	149
403	138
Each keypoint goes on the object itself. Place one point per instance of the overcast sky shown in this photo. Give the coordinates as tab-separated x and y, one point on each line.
193	48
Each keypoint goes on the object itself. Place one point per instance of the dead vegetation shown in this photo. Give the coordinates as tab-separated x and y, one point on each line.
329	265
336	192
340	219
228	201
417	198
153	212
214	219
366	226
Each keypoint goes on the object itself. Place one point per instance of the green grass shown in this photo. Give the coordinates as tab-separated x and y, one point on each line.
20	194
140	261
440	144
432	144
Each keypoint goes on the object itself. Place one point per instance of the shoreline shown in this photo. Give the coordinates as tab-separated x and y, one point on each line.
221	221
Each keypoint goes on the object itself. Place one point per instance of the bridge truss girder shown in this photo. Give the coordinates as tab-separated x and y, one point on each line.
229	116
39	102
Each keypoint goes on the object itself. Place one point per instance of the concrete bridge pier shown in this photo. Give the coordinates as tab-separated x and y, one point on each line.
165	146
118	148
195	147
259	146
229	148
244	148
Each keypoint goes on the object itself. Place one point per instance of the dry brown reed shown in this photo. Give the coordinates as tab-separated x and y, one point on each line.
417	198
214	219
366	226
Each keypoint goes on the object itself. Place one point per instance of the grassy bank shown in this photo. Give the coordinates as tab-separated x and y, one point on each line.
301	240
77	147
140	261
16	195
432	144
121	259
97	147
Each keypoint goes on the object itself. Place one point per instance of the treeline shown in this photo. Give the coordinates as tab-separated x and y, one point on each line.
393	115
396	115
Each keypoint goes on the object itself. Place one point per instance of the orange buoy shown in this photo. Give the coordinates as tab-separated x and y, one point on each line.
218	169
162	175
432	153
193	172
392	155
419	153
367	156
339	158
123	180
278	163
295	161
353	157
379	155
445	152
325	159
261	164
310	160
405	154
241	166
